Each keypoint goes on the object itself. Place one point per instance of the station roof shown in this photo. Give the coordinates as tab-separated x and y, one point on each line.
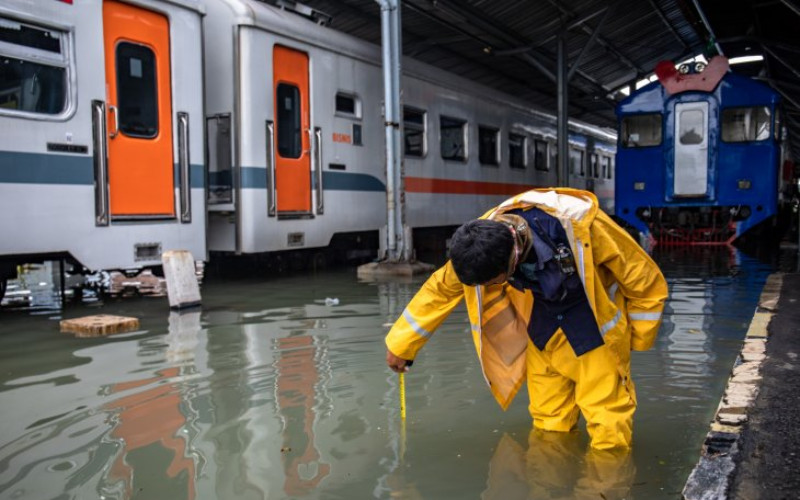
511	45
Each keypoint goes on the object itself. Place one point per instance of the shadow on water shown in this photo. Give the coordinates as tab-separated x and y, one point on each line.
278	389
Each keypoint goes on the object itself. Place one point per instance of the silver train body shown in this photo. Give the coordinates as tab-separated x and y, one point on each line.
102	148
267	128
466	147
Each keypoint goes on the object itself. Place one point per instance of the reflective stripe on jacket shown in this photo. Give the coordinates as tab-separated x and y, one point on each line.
625	288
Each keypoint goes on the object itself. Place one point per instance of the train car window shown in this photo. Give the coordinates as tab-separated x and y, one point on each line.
488	140
357	135
576	162
219	159
287	100
453	138
554	155
746	124
605	162
348	105
640	131
540	155
517	157
137	95
595	166
414	132
33	69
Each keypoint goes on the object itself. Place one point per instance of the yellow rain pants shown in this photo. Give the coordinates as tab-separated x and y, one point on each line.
561	385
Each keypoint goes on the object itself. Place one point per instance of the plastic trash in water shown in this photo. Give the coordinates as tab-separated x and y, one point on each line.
331	302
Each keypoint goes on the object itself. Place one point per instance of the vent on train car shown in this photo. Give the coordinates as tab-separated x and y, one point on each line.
300	9
147	251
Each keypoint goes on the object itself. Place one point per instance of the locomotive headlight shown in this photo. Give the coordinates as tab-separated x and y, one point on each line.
744	183
638	186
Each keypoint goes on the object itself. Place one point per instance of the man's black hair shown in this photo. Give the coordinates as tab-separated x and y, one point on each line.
480	251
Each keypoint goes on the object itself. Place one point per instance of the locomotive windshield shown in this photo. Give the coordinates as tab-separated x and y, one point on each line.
746	124
639	131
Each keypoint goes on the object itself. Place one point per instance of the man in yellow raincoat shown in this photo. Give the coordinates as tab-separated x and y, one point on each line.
557	295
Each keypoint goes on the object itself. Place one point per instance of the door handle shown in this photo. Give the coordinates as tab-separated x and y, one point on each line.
113	111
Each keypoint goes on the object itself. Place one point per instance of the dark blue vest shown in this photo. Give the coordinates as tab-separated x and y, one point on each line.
559	300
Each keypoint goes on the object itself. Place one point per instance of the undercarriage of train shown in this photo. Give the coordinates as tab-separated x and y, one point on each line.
706	225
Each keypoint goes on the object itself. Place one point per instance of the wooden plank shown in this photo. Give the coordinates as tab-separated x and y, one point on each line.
99	325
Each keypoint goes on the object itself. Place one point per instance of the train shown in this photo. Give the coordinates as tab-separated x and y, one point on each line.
232	128
699	156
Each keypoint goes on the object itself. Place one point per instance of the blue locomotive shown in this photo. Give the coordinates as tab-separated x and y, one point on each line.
698	156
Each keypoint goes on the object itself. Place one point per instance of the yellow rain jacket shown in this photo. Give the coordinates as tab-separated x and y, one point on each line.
624	286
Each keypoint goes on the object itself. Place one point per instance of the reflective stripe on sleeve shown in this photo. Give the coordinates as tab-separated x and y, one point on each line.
645	316
610	324
415	326
612	291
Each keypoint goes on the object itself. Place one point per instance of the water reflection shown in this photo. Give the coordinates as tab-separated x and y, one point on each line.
270	391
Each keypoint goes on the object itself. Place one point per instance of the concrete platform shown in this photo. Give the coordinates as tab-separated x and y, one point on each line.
752	450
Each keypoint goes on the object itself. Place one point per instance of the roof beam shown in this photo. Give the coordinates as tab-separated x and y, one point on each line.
668	24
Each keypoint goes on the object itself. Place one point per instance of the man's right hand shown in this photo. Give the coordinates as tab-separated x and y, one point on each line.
398	365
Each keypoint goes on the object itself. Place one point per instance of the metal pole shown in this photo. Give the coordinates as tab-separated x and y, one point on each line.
403	252
563	113
391	91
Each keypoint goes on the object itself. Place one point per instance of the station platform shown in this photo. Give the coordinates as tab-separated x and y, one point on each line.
752	450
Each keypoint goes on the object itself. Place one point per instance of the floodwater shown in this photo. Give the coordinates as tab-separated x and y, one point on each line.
270	391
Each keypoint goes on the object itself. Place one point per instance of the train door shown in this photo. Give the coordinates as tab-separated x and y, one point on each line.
691	149
292	121
138	86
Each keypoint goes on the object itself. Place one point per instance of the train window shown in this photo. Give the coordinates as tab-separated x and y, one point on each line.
517	157
219	159
691	126
554	155
357	135
33	69
605	163
639	131
137	97
414	132
348	105
746	124
595	166
576	162
540	155
453	138
287	100
487	145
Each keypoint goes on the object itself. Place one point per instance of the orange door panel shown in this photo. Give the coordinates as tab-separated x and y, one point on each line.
139	100
292	141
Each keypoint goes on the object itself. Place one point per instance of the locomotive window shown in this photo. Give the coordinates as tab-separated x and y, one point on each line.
137	97
453	138
516	151
746	124
487	145
639	131
575	162
33	69
414	132
219	159
691	129
540	155
287	100
348	105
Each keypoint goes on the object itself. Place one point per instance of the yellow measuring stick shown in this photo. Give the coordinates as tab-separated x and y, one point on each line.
402	396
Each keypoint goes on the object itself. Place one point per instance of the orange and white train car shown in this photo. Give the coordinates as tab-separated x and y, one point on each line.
101	150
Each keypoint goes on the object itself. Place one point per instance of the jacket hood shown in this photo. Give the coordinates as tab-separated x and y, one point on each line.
575	204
